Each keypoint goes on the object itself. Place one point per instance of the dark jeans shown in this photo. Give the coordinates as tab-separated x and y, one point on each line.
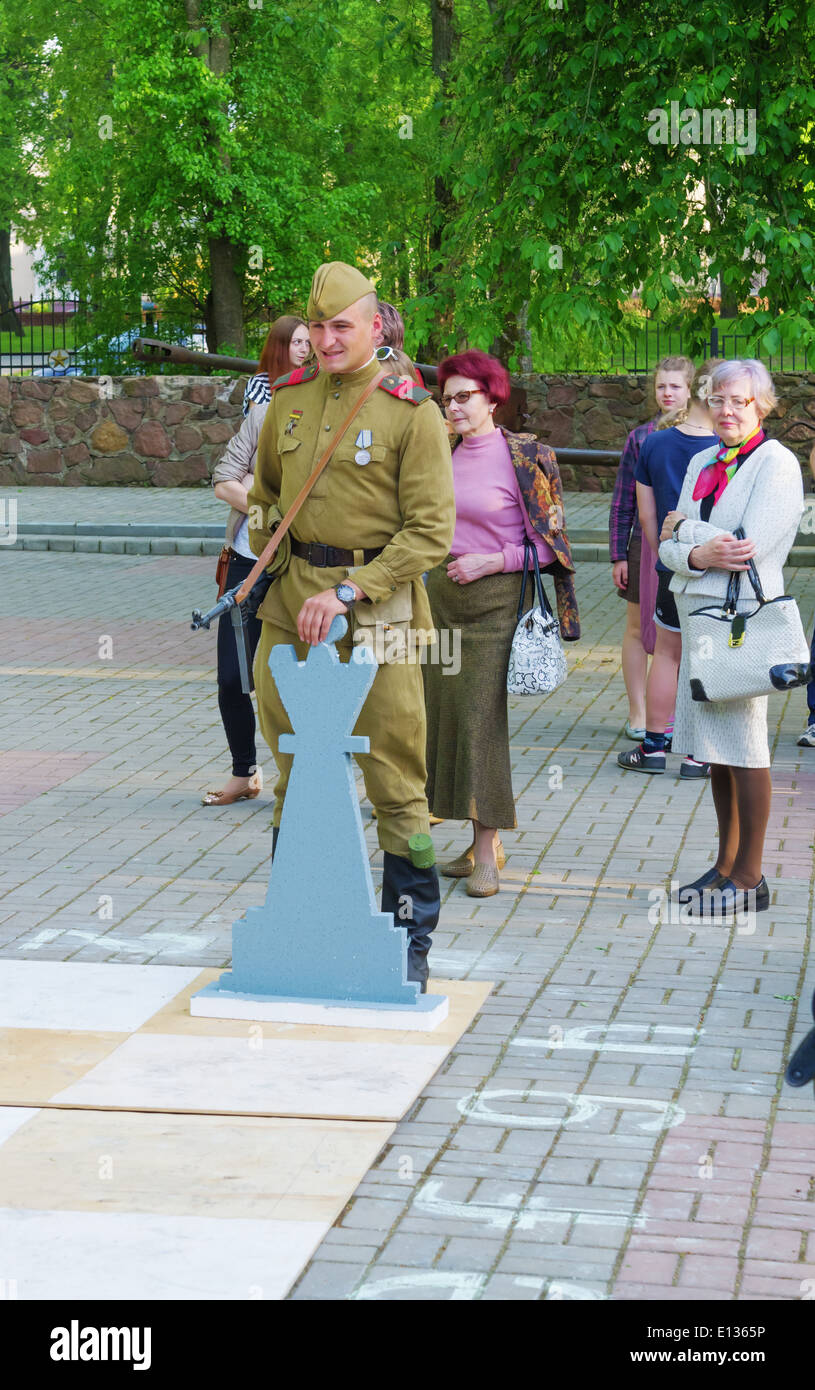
236	708
811	686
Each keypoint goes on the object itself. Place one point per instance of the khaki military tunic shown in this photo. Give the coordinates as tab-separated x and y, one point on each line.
401	500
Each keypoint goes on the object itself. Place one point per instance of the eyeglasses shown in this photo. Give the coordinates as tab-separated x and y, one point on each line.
461	397
737	402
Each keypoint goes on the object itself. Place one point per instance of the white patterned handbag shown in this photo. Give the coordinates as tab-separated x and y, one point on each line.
537	661
737	656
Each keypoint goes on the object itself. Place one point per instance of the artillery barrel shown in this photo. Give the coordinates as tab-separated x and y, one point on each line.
152	350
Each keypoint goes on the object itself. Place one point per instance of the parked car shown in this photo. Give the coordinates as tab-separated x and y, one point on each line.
102	355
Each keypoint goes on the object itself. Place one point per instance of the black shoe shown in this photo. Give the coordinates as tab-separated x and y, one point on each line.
692	768
712	879
412	895
640	761
802	1064
669	743
726	899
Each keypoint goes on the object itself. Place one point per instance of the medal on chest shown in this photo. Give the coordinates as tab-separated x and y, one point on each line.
363	443
294	419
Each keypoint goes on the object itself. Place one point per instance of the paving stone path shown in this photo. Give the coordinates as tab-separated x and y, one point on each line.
614	1124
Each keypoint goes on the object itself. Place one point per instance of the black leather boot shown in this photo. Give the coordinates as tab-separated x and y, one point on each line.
412	895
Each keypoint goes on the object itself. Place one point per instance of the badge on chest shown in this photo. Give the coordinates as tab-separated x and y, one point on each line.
363	443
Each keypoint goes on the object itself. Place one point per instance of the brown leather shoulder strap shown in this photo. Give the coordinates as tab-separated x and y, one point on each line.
257	570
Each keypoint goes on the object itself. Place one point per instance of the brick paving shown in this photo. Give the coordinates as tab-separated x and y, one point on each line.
608	1128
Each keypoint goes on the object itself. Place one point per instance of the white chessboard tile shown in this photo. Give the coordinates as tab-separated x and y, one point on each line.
12	1118
121	1255
84	996
358	1080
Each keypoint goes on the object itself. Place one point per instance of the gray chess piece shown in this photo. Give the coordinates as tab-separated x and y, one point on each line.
319	934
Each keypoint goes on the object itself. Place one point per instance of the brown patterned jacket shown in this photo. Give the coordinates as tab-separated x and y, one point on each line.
538	477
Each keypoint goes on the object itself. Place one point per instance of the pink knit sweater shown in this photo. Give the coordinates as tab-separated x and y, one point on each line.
490	511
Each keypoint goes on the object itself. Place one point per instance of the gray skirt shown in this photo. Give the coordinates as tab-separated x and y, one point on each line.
468	765
730	732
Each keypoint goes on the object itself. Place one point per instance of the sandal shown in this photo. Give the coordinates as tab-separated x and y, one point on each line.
227	798
464	866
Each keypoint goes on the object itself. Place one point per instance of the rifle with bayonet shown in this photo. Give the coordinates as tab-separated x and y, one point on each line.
240	613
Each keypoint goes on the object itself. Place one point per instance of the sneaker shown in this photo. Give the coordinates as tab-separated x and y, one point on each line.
669	743
807	739
636	735
640	761
692	768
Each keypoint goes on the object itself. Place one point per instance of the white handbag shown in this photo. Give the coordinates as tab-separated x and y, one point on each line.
537	661
738	656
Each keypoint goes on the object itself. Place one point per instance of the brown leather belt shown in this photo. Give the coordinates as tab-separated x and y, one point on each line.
330	556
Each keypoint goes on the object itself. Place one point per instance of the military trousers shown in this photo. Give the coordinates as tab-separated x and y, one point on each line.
392	718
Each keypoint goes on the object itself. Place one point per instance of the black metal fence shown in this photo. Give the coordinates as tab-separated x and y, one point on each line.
61	336
654	341
58	338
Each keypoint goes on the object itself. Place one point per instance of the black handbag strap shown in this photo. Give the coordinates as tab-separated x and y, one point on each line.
543	602
735	578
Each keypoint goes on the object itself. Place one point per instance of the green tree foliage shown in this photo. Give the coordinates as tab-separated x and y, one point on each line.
199	145
497	164
557	164
22	66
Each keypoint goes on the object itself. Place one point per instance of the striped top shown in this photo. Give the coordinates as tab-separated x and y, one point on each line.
257	391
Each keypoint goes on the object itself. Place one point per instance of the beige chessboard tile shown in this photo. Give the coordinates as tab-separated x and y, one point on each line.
187	1166
37	1063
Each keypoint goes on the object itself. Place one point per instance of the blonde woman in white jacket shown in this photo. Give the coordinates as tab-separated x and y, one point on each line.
753	482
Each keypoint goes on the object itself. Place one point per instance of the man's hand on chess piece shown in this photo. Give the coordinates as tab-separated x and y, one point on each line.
318	613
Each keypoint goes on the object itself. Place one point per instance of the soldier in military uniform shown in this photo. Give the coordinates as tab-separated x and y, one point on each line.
380	515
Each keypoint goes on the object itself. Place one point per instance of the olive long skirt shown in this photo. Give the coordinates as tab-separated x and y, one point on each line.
468	767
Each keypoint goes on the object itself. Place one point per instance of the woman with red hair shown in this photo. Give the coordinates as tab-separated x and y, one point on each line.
287	346
508	490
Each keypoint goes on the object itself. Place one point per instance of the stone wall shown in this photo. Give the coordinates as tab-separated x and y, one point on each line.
170	431
598	412
166	431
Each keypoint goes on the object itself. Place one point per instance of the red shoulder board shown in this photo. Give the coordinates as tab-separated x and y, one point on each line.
296	377
405	390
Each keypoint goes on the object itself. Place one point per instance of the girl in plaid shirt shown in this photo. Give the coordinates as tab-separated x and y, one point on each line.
627	546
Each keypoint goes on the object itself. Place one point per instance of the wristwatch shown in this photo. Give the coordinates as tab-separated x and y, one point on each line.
346	594
674	536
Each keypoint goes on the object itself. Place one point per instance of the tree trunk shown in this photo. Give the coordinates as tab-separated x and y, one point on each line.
225	309
9	319
227	299
445	38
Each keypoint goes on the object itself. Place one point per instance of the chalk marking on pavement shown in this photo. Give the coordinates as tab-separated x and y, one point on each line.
578	1039
467	1286
585	1107
558	1288
484	959
464	1286
499	1216
139	945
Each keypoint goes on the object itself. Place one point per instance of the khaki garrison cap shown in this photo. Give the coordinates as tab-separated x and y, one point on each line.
334	287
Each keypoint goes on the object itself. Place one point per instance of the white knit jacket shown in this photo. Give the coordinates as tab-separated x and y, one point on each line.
766	497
